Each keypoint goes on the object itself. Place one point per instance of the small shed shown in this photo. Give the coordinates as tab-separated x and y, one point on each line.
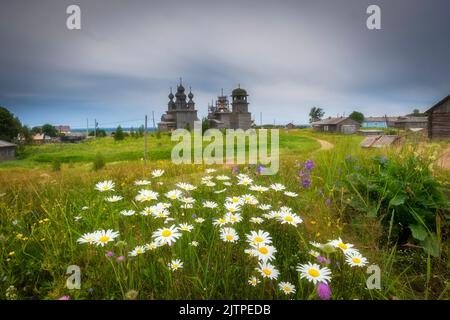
407	123
343	125
7	151
290	125
439	119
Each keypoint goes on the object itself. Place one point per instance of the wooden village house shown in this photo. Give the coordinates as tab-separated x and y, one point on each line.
439	119
343	125
7	151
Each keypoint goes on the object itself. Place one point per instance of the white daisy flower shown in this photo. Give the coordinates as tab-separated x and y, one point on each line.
187	200
233	217
234	200
265	207
147	211
151	246
355	259
286	287
256	220
208	171
277	187
345	247
220	191
314	253
263	252
142	182
114	198
186	227
85	208
88	238
314	273
290	218
229	235
220	221
259	237
157	173
199	220
232	207
127	212
258	188
210	204
105	236
107	185
267	270
249	199
137	251
290	194
223	178
253	281
186	186
209	183
245	181
174	194
175	265
146	195
166	235
193	243
226	183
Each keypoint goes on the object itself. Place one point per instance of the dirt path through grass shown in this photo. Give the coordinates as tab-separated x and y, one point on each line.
325	145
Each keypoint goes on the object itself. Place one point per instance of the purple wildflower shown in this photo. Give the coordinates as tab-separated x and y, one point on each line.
306	183
323	260
323	291
328	202
109	254
120	258
64	298
235	170
308	165
260	169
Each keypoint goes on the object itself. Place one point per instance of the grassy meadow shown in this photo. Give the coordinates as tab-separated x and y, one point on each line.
328	215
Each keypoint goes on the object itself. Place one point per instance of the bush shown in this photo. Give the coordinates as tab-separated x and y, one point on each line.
406	197
119	134
56	165
99	162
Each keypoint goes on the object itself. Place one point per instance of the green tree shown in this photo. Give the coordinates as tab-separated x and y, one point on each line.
316	114
25	133
49	130
10	125
205	124
357	116
119	135
36	130
416	112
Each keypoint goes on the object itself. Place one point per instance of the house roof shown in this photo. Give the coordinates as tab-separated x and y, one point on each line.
438	104
331	121
379	119
411	119
5	144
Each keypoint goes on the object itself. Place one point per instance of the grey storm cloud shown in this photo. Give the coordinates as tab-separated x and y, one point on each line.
289	55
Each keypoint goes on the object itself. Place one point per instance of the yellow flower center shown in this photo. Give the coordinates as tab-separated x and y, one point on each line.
343	246
259	239
229	237
103	239
263	250
166	233
356	260
288	218
313	273
267	272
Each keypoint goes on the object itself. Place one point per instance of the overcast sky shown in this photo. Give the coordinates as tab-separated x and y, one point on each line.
288	55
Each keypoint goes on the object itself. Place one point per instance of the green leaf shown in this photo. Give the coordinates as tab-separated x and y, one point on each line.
431	246
418	231
397	200
372	212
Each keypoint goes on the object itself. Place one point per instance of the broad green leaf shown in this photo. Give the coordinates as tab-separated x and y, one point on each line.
431	246
418	231
397	200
